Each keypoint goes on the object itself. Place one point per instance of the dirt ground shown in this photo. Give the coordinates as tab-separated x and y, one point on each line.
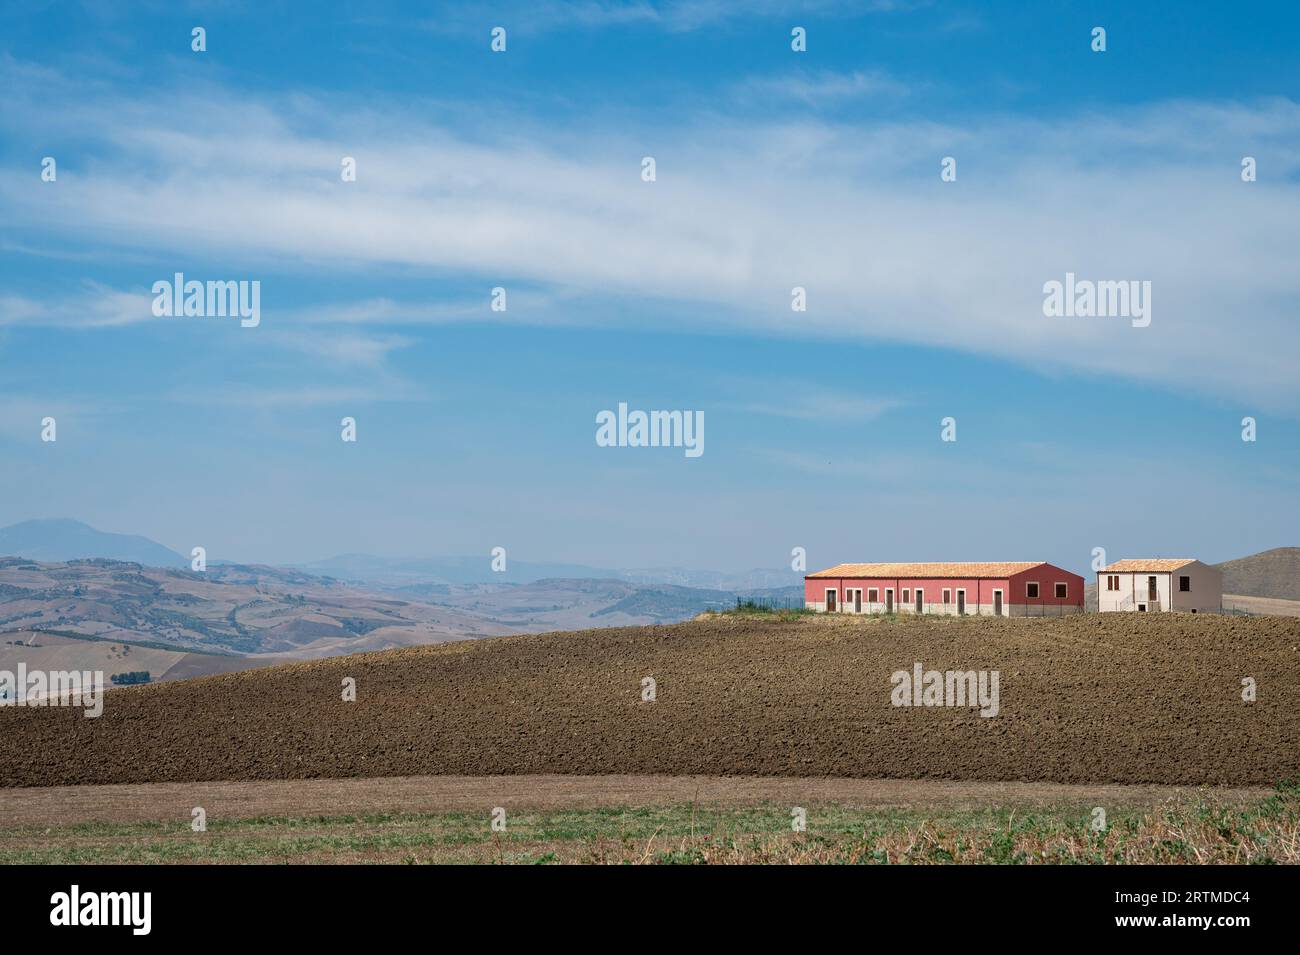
1097	698
304	798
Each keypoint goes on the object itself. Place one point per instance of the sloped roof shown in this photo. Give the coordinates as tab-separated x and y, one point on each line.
943	569
1148	564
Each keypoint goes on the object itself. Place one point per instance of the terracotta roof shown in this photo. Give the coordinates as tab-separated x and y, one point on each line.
969	569
1145	565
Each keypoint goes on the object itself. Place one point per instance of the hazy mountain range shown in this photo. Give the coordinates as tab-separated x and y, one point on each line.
83	598
60	539
1271	573
73	596
63	539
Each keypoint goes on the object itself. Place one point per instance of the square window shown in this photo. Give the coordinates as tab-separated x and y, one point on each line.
873	595
907	594
1031	589
947	596
1185	584
1062	590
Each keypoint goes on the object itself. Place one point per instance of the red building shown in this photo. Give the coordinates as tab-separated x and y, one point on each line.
1009	589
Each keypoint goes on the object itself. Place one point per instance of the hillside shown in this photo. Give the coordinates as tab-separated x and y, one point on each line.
1271	573
61	539
229	609
1098	698
238	609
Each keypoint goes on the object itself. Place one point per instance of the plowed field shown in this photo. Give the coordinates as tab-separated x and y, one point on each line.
1108	698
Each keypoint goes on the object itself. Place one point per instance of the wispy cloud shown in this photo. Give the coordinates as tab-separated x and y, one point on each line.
306	396
857	215
92	306
343	349
536	16
803	404
822	89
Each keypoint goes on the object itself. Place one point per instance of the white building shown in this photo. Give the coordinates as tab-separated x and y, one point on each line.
1159	584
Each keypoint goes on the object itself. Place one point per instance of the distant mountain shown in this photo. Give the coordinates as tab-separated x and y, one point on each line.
251	609
757	579
1271	573
403	571
231	608
389	572
62	539
666	603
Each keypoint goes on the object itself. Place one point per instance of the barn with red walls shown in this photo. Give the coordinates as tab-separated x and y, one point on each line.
1007	589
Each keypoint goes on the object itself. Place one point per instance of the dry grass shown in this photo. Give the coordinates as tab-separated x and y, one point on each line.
1187	830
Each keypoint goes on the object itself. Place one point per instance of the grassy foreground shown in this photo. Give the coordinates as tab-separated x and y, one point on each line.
1188	832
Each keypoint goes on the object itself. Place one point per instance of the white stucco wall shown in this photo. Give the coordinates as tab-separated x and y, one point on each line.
1206	592
1207	588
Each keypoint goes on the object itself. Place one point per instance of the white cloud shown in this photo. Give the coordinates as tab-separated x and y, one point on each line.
678	16
309	396
741	213
94	306
345	349
822	88
808	404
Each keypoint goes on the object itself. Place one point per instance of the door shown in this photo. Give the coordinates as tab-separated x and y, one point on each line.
830	601
997	603
961	602
857	600
920	601
889	600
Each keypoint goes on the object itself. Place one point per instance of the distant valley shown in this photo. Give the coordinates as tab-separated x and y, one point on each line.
98	612
117	602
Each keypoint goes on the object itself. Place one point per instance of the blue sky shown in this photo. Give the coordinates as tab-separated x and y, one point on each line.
775	169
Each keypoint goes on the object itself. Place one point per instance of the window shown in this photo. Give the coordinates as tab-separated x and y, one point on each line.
1185	584
1062	590
907	594
873	595
947	596
1112	582
1031	589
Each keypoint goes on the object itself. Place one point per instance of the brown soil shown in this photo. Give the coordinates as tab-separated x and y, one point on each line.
305	798
1113	698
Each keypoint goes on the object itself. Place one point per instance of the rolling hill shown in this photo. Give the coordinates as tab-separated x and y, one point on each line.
1097	698
61	539
253	610
1272	573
